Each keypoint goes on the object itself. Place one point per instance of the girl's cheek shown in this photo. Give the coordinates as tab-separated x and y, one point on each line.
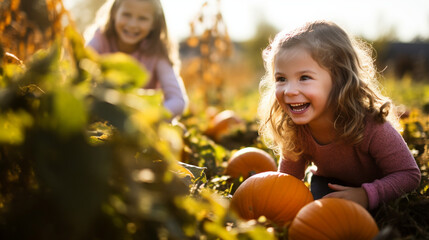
280	98
279	94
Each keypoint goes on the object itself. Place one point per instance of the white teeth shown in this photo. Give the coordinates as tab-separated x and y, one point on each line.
298	107
297	104
130	33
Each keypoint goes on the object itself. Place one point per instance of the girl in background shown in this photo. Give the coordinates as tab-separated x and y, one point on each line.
320	105
138	28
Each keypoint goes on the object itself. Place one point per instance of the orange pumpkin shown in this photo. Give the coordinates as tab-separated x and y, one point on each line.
333	219
222	124
275	195
248	161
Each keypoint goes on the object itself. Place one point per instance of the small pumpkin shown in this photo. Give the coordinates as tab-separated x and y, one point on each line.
222	124
248	161
275	195
333	219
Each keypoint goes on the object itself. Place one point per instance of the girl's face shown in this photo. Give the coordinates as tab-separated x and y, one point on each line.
133	22
302	87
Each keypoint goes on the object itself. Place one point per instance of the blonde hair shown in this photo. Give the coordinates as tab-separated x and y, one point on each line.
158	41
355	90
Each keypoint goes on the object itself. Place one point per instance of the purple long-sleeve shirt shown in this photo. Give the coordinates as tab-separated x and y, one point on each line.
162	74
381	163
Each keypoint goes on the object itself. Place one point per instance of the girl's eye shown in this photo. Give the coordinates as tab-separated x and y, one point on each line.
305	77
280	79
125	14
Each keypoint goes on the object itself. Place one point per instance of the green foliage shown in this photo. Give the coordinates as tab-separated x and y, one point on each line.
84	154
406	91
264	33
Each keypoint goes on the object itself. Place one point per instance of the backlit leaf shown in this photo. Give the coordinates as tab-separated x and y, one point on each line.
12	126
123	71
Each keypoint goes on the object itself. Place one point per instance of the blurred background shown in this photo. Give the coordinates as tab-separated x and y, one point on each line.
406	21
398	30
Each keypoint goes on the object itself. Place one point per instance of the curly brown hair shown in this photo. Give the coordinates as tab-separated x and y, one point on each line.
355	90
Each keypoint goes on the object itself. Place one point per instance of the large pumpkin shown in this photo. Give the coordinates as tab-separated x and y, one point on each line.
248	161
277	196
333	219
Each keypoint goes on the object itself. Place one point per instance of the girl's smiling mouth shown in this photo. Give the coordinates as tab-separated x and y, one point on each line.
298	107
131	33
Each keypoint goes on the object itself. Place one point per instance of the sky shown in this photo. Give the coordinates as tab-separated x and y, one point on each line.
366	18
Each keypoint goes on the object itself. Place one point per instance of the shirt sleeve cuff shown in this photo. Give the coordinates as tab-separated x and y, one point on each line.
372	194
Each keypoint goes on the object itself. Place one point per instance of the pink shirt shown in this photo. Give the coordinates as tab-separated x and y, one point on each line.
162	74
381	163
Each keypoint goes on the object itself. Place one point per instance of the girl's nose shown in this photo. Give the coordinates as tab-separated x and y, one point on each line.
291	90
132	22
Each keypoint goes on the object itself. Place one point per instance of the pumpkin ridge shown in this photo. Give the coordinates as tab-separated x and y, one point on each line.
310	226
354	230
307	197
252	200
352	226
361	218
262	154
248	201
319	223
288	208
270	215
326	217
236	165
270	193
336	211
301	194
366	231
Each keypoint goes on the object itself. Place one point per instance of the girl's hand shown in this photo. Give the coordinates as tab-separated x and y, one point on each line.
357	195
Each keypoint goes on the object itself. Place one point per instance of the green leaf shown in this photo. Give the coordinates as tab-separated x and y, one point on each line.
78	46
12	126
219	230
82	56
10	72
123	71
69	112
